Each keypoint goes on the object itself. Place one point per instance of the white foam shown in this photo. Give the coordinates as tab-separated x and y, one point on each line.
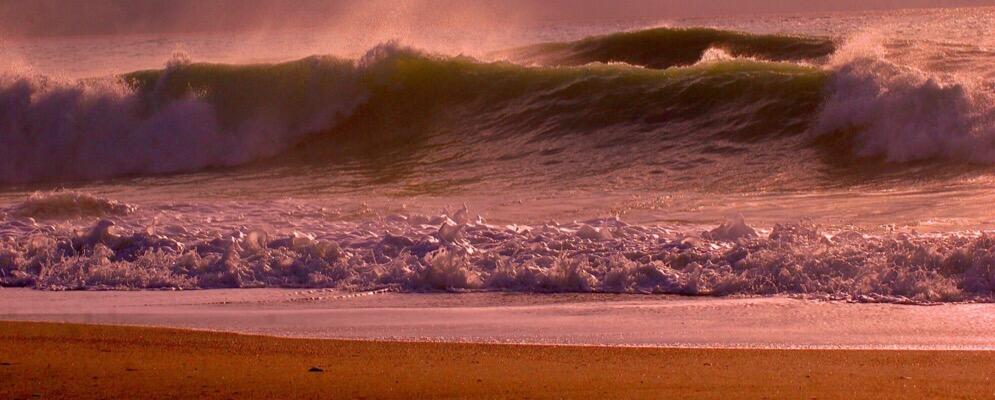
405	255
903	113
714	55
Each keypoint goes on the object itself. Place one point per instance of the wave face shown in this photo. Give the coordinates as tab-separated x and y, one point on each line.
669	47
457	253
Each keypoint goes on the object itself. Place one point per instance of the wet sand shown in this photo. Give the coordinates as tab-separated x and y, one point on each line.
86	361
562	319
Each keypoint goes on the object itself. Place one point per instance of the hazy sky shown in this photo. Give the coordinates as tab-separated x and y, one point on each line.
73	17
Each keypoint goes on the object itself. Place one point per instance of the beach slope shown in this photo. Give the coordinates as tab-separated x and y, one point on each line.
86	361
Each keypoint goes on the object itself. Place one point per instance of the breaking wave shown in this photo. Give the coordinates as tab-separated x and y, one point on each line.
185	117
901	114
189	117
458	253
682	97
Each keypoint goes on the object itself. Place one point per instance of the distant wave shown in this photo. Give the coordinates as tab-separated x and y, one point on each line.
731	92
669	47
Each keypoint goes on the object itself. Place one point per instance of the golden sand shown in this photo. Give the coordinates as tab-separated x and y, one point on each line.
78	361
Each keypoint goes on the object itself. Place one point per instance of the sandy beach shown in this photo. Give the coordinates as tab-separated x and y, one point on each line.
84	361
263	343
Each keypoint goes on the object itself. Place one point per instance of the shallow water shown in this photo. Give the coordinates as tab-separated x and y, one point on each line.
572	319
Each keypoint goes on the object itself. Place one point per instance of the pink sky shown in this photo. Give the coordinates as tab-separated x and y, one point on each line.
59	17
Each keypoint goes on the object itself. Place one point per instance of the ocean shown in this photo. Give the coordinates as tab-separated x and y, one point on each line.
844	156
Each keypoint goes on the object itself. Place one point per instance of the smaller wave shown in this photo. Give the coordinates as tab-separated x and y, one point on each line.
669	47
68	204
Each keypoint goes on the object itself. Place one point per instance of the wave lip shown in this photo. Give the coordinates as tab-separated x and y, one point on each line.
670	47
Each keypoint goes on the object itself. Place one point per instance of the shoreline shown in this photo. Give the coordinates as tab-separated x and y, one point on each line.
564	319
486	342
98	361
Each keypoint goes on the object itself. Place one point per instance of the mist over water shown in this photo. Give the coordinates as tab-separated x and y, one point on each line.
601	156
